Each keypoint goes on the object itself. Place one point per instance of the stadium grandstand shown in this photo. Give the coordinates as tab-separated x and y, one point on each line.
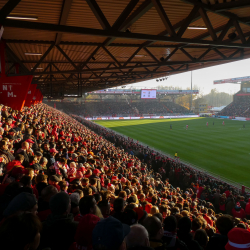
124	103
121	108
69	183
240	107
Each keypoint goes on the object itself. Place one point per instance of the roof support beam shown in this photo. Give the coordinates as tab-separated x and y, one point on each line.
98	14
66	56
164	17
110	33
207	51
219	53
233	54
83	64
63	18
104	70
58	70
187	54
132	56
176	28
42	58
89	58
15	58
151	55
112	57
239	31
208	24
161	64
96	75
48	66
124	15
137	14
225	30
188	20
222	13
7	9
129	45
171	54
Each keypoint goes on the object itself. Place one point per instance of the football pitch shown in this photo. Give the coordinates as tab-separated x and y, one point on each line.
222	150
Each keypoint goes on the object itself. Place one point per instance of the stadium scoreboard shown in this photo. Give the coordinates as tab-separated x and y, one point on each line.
148	94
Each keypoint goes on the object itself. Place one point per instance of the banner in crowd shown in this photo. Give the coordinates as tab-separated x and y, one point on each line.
138	117
30	95
13	90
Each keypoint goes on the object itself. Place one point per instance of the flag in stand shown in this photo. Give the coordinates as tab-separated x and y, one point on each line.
54	105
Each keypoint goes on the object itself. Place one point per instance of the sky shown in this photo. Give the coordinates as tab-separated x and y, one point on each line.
203	78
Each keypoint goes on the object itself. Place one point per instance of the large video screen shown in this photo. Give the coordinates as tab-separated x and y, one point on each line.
148	94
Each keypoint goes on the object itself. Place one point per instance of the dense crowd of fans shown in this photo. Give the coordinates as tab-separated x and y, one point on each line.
74	185
121	108
239	107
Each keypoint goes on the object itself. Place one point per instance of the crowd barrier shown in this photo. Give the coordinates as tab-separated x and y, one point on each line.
137	117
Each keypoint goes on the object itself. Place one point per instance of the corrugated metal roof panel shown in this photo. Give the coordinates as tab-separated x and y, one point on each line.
24	34
45	10
112	9
241	12
67	37
122	55
82	16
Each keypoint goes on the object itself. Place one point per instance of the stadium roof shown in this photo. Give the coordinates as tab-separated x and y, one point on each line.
234	80
86	45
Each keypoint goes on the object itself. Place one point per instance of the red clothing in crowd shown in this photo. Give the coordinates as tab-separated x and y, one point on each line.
239	214
208	220
12	164
200	190
227	192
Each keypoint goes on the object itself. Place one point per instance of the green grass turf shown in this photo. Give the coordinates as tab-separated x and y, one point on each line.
223	150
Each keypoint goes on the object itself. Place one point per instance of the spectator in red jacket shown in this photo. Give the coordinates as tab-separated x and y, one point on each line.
17	162
238	212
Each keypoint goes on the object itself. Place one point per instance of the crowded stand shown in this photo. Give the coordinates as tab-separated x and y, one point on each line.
67	183
239	107
159	108
121	108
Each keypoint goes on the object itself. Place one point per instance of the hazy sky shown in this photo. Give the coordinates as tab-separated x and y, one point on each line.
203	78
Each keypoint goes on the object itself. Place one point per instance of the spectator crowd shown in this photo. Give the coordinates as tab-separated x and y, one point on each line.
239	107
120	108
67	183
